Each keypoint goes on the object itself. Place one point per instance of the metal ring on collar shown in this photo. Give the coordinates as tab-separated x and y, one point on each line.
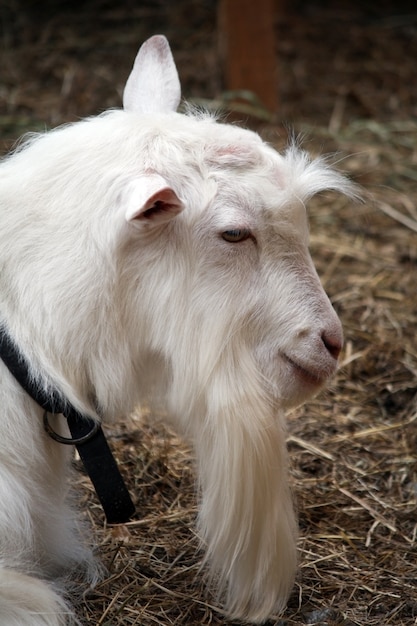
69	441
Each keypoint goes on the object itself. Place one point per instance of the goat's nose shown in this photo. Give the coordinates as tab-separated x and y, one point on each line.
333	341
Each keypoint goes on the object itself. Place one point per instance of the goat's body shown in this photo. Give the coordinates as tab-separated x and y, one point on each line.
118	288
39	533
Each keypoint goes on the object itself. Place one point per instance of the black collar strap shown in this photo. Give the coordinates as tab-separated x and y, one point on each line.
86	435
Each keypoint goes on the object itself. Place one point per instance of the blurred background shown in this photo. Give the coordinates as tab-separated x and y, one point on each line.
328	62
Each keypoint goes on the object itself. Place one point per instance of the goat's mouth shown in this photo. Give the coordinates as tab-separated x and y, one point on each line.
308	375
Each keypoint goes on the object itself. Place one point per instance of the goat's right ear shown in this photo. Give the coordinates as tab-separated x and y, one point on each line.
151	201
153	85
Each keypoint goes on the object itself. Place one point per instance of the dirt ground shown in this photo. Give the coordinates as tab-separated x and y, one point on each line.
348	84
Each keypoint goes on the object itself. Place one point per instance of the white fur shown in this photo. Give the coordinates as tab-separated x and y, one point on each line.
112	303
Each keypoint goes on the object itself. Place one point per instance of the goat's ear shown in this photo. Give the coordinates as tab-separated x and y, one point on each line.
151	201
153	85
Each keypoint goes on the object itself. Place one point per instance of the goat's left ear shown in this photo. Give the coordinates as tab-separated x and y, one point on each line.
151	200
153	85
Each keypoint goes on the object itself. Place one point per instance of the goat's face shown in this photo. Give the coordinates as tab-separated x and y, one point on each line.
236	280
262	285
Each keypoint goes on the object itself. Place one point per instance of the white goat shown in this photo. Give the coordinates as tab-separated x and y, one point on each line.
146	254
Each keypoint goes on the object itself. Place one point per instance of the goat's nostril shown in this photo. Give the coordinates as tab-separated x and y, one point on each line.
333	343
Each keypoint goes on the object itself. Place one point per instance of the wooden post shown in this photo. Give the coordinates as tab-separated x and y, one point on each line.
247	43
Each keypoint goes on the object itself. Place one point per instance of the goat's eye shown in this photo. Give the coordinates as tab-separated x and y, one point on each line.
236	234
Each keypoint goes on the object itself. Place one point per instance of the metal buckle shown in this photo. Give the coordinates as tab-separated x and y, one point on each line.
69	441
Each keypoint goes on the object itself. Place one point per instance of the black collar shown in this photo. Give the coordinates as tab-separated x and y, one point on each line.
86	434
